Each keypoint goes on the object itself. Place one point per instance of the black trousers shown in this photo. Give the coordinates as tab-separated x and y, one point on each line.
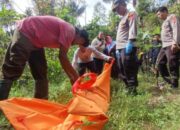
99	65
168	65
83	67
128	68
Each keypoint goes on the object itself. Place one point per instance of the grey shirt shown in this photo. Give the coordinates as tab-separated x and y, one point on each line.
127	30
170	31
99	45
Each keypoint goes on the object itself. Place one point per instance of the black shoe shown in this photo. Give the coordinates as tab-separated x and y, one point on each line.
174	84
132	91
5	86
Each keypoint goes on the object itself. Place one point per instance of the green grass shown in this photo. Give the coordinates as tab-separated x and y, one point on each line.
151	109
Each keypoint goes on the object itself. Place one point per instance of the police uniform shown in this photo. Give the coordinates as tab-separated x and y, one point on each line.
99	44
169	34
128	64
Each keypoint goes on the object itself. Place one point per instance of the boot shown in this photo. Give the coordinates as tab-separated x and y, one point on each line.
5	87
132	91
41	89
174	83
167	79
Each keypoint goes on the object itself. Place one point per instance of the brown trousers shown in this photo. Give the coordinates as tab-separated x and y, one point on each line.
20	51
168	65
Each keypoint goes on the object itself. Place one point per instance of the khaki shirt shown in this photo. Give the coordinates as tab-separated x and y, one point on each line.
99	45
127	30
170	31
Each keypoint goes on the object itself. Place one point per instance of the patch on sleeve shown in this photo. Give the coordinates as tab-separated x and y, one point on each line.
174	19
131	16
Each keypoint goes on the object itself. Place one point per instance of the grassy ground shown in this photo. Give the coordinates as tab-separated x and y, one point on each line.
151	109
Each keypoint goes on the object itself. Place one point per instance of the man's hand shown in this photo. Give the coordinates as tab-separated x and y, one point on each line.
174	48
100	43
110	59
129	47
73	80
66	65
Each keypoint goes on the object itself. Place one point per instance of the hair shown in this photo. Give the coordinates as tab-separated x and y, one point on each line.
156	35
122	2
162	9
84	34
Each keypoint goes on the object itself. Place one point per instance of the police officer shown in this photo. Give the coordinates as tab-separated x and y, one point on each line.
170	47
126	46
154	51
99	44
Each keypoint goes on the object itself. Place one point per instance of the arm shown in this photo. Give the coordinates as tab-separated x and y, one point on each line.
100	55
175	25
75	59
113	47
132	26
174	22
96	43
132	18
66	65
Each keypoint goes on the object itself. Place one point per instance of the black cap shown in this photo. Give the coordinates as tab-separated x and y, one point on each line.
116	3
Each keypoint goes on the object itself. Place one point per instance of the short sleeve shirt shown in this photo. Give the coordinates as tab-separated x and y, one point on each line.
47	31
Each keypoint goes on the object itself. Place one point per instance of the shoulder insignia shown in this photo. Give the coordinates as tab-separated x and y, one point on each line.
173	19
131	15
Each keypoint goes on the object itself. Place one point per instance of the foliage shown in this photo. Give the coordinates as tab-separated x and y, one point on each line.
55	71
113	21
76	8
8	16
66	15
93	28
175	9
68	10
28	12
99	12
109	28
151	109
4	39
145	7
43	7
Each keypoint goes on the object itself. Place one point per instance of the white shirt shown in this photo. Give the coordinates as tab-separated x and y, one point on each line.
86	56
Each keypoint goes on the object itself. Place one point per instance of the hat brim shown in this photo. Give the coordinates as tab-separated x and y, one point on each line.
114	7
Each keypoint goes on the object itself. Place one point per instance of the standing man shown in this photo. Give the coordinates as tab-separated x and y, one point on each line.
126	46
170	36
99	44
154	51
28	42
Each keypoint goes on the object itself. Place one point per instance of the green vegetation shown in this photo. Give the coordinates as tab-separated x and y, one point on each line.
151	109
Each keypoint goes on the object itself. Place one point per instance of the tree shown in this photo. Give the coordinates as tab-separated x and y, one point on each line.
113	21
99	13
68	10
28	12
8	19
76	8
108	1
42	7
